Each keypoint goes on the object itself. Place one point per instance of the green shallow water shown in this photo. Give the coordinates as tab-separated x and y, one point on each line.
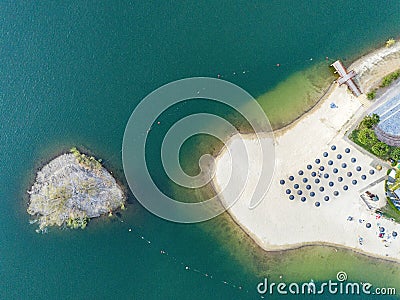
71	75
297	94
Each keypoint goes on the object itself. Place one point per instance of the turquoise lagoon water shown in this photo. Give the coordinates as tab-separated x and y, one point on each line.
71	73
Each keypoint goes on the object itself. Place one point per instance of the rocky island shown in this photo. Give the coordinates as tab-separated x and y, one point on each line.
71	189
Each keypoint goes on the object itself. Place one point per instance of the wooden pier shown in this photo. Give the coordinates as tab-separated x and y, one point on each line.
346	77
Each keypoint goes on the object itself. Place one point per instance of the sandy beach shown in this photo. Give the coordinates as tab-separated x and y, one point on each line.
326	207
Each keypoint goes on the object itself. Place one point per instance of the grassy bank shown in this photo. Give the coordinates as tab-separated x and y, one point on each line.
386	82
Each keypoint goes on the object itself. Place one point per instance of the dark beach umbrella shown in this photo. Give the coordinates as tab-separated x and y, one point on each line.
317	180
303	199
321	189
313	174
317	161
305	180
309	167
368	225
333	147
291	197
339	156
353	160
372	172
325	154
363	177
317	204
282	182
308	187
326	175
345	187
382	229
312	194
326	198
394	233
336	193
335	170
330	162
358	168
344	165
291	178
296	186
301	172
331	183
347	150
321	168
299	192
340	179
288	191
349	174
354	182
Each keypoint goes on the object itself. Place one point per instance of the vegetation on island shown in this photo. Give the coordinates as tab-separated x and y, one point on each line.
364	136
87	161
71	189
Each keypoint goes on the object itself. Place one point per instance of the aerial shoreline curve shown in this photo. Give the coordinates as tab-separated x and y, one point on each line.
321	177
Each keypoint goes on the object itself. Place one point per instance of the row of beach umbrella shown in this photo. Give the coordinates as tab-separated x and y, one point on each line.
317	176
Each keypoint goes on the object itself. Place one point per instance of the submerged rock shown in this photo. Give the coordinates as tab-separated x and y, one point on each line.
71	189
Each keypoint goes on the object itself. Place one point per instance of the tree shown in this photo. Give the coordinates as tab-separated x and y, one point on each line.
375	119
367	137
396	154
369	121
371	95
380	149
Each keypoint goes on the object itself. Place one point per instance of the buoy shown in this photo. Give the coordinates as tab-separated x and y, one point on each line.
158	122
219	76
278	65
